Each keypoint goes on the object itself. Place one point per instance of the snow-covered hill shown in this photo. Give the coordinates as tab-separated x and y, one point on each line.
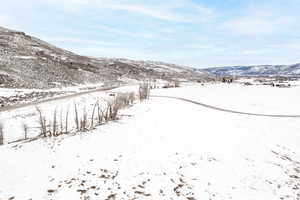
259	70
26	61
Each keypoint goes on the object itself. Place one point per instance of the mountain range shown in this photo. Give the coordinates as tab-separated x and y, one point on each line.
258	70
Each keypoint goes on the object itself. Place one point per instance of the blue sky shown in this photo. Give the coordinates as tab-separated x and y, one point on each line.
199	33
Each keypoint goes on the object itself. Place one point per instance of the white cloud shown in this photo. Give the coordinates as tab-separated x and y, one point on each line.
147	11
126	33
166	12
163	11
258	25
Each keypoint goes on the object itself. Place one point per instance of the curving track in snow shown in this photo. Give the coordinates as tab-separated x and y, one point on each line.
227	110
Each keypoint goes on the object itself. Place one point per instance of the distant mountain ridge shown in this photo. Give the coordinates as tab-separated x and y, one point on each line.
29	62
258	70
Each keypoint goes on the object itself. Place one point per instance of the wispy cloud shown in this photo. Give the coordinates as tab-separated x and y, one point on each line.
256	25
164	10
147	11
126	33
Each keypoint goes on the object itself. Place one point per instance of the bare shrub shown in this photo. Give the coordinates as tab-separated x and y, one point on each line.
42	122
131	98
93	113
84	121
54	124
112	110
25	129
121	99
107	112
76	117
144	91
124	99
67	120
61	122
100	114
176	84
1	134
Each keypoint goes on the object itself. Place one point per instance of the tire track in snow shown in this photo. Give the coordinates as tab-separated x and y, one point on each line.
227	110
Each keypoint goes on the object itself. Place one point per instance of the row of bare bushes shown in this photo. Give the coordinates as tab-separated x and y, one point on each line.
77	118
99	114
174	84
84	119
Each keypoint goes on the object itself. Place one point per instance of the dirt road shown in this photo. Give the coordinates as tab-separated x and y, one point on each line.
17	106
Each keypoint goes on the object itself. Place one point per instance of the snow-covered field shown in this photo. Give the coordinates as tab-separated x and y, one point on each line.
7	92
169	149
13	121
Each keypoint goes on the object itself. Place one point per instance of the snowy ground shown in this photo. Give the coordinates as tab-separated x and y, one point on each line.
169	149
12	96
13	121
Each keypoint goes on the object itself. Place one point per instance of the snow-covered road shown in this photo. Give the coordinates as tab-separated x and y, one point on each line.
57	98
169	149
